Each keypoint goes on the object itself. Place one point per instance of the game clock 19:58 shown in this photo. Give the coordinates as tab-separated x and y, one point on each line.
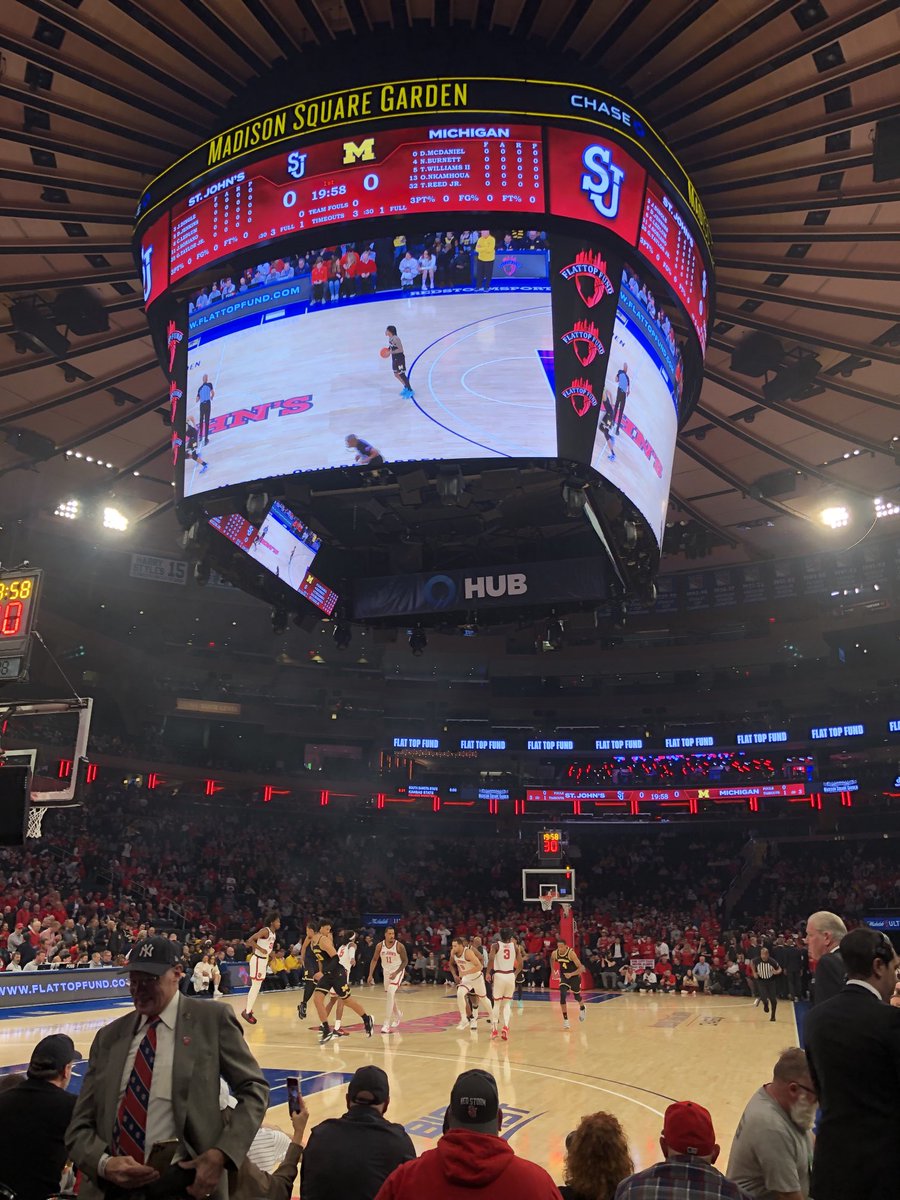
328	193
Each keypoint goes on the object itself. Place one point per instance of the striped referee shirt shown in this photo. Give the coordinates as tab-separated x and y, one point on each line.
765	968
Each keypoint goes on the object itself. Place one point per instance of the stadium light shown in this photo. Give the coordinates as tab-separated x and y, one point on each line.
113	519
886	508
69	509
836	517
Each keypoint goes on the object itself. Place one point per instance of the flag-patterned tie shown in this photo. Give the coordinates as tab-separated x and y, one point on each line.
130	1129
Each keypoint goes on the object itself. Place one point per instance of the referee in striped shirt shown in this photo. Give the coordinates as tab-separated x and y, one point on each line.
765	970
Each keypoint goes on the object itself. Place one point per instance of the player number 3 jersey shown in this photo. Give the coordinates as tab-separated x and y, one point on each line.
505	957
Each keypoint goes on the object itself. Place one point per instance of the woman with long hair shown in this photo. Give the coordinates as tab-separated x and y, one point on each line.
597	1158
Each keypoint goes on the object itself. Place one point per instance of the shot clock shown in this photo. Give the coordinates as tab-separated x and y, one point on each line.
19	596
551	844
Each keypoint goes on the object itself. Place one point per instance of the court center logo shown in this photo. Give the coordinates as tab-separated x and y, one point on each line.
584	338
581	395
602	180
591	279
439	592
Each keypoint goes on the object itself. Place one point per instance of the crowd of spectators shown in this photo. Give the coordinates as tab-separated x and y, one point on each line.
440	259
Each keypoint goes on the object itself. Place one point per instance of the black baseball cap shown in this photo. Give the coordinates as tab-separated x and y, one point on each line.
153	955
369	1085
474	1102
52	1055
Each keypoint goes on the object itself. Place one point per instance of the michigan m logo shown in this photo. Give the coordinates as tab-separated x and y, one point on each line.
364	152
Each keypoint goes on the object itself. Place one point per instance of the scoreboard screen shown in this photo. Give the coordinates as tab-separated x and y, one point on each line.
392	174
19	594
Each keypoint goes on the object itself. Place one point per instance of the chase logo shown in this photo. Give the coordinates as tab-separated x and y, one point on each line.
602	180
439	592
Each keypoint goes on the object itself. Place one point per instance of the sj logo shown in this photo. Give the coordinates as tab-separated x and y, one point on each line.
602	180
581	395
584	338
589	272
147	270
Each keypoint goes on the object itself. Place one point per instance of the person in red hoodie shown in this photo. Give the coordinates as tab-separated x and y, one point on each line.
471	1159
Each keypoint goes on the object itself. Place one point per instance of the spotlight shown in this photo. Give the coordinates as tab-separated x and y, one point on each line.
418	641
342	634
113	519
886	508
836	517
279	620
70	509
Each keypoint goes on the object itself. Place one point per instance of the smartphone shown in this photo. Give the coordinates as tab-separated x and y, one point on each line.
293	1093
162	1155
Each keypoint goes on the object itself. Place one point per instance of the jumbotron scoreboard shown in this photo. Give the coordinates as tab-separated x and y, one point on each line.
20	593
538	255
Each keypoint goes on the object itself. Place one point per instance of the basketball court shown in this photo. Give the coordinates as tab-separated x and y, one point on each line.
631	1056
481	390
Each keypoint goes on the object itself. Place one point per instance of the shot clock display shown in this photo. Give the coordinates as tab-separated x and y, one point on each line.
551	844
19	595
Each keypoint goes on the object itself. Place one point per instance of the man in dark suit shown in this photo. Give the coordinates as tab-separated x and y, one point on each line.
853	1047
153	1077
33	1121
824	931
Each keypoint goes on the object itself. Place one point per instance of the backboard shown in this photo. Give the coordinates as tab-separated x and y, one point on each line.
539	882
51	737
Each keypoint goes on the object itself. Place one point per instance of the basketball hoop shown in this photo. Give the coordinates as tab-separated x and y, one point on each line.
548	899
35	818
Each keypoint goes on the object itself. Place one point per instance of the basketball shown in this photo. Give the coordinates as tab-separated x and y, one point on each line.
384	352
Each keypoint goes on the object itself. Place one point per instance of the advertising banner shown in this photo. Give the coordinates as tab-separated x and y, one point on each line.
26	989
532	583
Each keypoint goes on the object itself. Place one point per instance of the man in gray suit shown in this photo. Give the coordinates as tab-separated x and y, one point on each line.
153	1078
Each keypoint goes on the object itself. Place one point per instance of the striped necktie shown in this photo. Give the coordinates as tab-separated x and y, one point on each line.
130	1129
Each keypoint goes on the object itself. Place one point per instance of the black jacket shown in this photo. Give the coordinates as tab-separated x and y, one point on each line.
853	1045
829	978
349	1157
33	1121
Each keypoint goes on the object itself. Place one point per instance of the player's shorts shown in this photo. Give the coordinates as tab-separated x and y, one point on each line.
474	984
334	981
398	362
504	985
257	967
392	984
572	984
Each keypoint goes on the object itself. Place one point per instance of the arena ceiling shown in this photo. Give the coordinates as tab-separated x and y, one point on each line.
771	105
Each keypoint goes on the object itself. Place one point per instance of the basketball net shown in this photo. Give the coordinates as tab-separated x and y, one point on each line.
35	818
548	899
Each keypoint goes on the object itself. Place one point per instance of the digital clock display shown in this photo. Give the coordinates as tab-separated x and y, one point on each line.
550	844
18	604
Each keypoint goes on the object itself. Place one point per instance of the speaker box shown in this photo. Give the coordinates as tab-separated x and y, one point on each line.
80	311
791	381
887	150
13	805
757	354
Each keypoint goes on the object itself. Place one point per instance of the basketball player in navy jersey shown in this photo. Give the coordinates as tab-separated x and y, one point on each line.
398	361
311	957
333	977
570	971
191	443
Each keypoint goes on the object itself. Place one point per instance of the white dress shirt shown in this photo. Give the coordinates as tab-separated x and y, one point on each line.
160	1115
864	983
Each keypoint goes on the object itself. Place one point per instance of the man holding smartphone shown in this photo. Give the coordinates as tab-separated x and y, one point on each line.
153	1081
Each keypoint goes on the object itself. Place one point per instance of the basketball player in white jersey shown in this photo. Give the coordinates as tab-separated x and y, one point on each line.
261	944
393	958
504	964
468	970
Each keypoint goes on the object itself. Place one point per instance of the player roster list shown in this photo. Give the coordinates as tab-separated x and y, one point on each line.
666	242
391	173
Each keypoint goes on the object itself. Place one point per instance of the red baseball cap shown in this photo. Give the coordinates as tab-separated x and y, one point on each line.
688	1129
